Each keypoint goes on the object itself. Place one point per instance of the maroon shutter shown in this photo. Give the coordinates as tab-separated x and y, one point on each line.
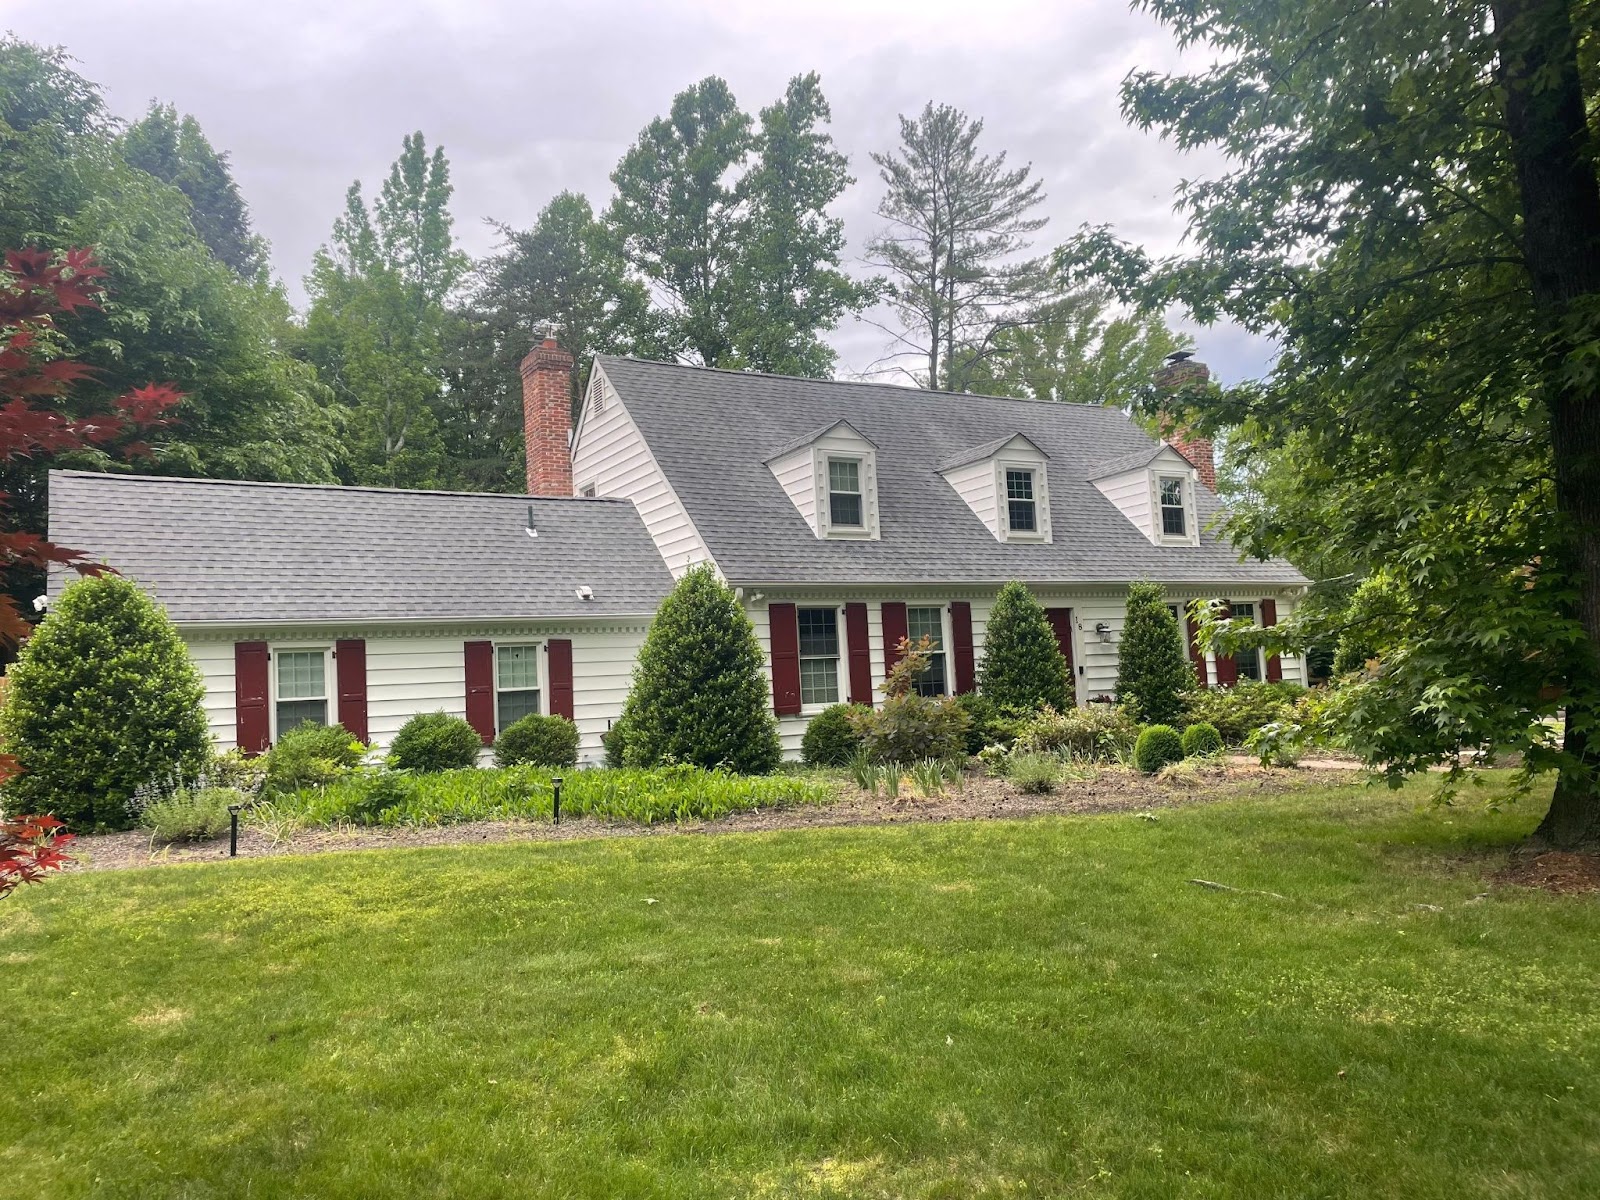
961	635
855	633
350	669
785	631
1061	622
1269	618
480	688
253	729
560	664
1227	669
895	631
1196	655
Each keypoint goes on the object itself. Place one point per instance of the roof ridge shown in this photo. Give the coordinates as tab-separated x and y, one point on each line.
327	487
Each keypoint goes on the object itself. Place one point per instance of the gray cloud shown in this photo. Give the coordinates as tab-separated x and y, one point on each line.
531	99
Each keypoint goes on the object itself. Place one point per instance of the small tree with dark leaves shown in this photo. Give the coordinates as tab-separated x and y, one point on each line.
1023	667
1153	672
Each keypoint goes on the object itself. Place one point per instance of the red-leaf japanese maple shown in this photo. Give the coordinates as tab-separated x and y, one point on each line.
30	847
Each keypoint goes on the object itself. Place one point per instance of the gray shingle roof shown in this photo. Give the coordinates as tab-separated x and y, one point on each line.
712	431
977	453
260	552
806	439
1126	462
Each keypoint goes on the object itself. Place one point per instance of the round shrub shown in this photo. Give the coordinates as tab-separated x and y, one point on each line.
1153	670
434	741
310	756
1023	667
831	739
614	742
1202	741
537	741
102	702
1157	746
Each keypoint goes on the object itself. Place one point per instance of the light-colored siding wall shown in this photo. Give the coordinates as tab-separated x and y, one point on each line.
1130	492
425	671
611	456
795	474
974	483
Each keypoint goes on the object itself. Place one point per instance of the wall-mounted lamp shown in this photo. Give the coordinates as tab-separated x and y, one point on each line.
1104	631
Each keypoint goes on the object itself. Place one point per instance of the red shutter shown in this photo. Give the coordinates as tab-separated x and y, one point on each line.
855	633
1061	622
1269	618
480	688
560	665
1227	669
1196	655
961	651
350	669
895	631
784	627
253	729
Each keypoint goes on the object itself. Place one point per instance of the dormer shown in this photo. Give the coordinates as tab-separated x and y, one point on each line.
831	477
1007	486
1155	489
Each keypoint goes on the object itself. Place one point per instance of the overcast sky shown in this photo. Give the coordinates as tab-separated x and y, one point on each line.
529	99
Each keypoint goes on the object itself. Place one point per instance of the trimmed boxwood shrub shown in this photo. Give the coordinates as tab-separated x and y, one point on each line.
1157	746
102	703
310	756
537	741
1023	667
614	742
434	741
831	739
1201	740
1153	669
698	694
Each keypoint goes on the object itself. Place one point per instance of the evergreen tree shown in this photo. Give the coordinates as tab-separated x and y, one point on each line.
1153	671
101	702
698	694
1023	667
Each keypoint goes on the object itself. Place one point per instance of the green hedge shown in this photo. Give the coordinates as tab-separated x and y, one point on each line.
434	741
1157	746
538	742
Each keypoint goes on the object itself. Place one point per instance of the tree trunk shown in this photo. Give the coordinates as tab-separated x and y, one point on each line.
1554	155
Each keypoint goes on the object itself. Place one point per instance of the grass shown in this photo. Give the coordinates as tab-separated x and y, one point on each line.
1039	1008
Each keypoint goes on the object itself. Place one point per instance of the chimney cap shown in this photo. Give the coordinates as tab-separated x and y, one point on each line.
1178	356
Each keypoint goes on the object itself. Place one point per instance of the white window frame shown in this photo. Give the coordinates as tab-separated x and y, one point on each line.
866	478
330	689
541	671
945	652
1255	617
1041	500
841	664
1158	530
860	493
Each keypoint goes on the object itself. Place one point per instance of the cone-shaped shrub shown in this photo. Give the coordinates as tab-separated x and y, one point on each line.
698	695
1023	668
1153	671
101	702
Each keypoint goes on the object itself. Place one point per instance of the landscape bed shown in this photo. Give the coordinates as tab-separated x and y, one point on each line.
996	1008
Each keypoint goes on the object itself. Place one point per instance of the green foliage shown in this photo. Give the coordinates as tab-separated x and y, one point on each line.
1376	611
698	694
1157	746
614	742
537	741
928	777
101	703
1096	732
310	756
866	773
985	726
1238	711
190	814
1201	740
235	771
435	741
831	738
1276	744
1023	668
1034	773
909	728
1153	671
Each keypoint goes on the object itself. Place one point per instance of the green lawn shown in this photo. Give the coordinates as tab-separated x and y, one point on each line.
986	1009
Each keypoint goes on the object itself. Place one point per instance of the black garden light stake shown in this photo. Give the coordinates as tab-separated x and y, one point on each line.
233	831
556	803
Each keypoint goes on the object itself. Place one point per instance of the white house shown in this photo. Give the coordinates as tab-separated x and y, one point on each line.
847	515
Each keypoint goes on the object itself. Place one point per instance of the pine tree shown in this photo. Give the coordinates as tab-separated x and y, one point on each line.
101	702
1153	671
698	694
1023	668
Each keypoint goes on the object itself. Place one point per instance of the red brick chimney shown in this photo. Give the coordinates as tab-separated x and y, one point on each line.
547	419
1179	373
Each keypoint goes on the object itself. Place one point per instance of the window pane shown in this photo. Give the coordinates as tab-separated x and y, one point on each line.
1172	492
932	681
301	712
819	632
844	509
926	621
819	681
518	667
844	475
1172	521
300	674
511	707
1247	611
1019	485
1020	516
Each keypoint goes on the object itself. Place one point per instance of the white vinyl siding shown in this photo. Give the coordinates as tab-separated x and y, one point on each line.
974	483
794	475
987	485
1138	494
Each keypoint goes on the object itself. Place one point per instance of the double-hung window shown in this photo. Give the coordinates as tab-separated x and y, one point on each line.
929	623
1174	514
846	509
819	655
302	695
1022	514
516	683
1248	661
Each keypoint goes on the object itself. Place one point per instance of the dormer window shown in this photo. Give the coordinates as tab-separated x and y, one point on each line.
1174	513
1155	489
1022	514
1006	485
845	508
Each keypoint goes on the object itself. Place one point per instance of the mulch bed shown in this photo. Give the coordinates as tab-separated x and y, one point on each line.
981	798
1557	871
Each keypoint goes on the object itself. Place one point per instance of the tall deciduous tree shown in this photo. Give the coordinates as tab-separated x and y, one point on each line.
958	222
1415	212
378	319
